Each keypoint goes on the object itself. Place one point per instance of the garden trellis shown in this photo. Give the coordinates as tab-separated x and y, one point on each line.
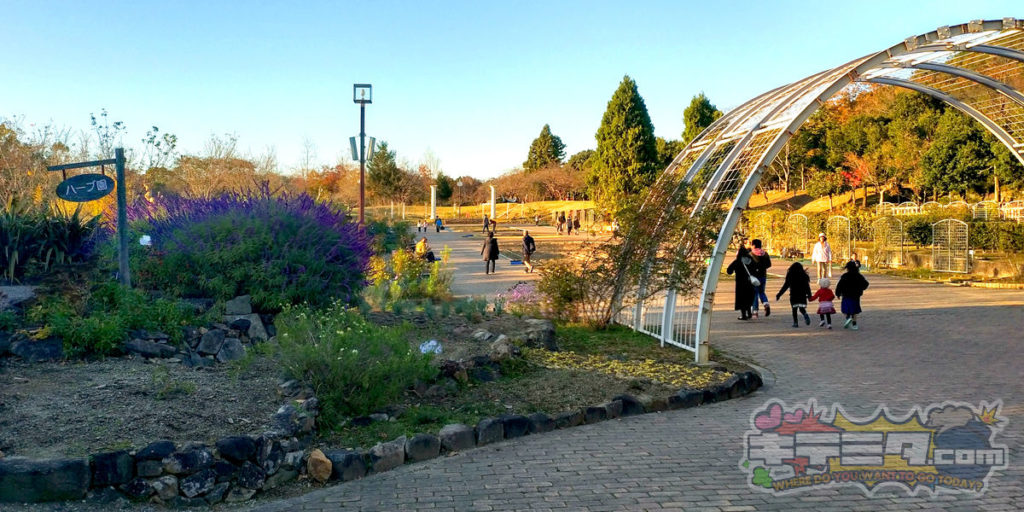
887	235
985	210
884	208
949	246
907	208
837	228
796	233
761	229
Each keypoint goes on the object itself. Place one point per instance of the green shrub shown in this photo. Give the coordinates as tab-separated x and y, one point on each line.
99	323
996	236
561	284
43	236
355	367
404	276
388	237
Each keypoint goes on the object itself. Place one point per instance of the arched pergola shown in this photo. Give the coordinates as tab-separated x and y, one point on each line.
977	68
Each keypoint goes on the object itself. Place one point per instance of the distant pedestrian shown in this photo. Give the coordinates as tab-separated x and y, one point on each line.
762	262
487	224
799	285
744	286
561	222
536	220
822	256
438	224
855	259
850	288
568	224
421	225
576	224
529	247
490	253
824	296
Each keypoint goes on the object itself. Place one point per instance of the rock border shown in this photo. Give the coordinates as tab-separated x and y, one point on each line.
234	469
237	467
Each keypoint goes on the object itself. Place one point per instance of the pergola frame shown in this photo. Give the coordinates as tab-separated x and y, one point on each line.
734	151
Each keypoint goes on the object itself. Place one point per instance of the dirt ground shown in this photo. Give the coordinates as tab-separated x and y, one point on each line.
77	408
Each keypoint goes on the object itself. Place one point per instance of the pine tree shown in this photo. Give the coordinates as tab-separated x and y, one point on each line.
546	149
698	116
626	159
383	176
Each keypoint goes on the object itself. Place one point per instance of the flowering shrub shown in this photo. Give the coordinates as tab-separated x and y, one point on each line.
403	275
679	375
281	249
355	367
522	299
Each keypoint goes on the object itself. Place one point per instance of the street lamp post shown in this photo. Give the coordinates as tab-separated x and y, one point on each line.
362	94
458	210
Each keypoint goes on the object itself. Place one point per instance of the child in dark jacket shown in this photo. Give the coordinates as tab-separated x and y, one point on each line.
799	285
850	288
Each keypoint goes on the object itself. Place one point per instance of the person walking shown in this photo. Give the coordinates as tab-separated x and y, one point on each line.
822	256
529	247
576	224
744	285
490	253
826	308
438	224
762	262
850	288
568	224
561	222
799	285
487	223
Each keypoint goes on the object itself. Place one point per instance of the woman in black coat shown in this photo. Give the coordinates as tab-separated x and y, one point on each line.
490	253
744	288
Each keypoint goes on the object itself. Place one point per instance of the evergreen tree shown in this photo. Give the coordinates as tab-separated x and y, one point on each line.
546	149
698	116
383	176
626	159
445	187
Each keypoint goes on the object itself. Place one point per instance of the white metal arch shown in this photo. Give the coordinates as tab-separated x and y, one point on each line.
744	142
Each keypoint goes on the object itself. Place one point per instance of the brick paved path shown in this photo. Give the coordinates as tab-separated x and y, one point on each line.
918	343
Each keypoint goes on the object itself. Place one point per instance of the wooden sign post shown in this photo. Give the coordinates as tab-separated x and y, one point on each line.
89	187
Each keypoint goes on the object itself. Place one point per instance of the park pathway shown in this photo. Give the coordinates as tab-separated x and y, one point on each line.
468	267
918	343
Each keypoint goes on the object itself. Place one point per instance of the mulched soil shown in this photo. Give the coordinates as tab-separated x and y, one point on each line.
77	408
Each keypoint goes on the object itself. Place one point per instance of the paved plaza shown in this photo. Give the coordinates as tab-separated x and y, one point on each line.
918	343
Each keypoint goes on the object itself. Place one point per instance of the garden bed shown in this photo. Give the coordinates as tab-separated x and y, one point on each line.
75	408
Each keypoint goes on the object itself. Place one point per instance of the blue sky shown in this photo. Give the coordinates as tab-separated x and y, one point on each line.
473	82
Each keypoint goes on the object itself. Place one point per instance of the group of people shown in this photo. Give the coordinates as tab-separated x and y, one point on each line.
490	251
422	225
751	270
567	223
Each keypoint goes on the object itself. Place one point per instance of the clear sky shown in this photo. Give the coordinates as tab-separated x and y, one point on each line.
473	82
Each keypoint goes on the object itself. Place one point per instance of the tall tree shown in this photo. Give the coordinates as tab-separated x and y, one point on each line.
626	159
546	149
698	116
384	177
445	187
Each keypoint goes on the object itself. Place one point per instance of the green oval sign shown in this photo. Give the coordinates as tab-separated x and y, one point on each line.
85	187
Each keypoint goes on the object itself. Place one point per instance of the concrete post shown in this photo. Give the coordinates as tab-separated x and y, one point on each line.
492	202
433	202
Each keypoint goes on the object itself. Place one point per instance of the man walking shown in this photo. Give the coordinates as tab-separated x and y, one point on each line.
529	247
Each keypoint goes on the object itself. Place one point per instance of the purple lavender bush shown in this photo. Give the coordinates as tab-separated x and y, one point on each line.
279	248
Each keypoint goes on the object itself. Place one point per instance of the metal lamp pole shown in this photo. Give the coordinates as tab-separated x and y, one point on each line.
362	94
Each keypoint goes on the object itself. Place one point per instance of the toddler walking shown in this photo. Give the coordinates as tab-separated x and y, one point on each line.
799	285
824	297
